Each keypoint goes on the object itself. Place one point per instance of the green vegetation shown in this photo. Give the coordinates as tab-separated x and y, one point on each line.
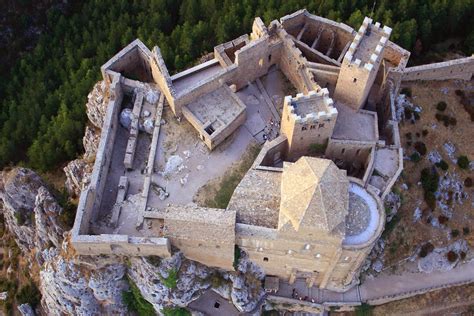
406	91
172	279
415	157
426	249
389	227
42	115
317	149
29	294
231	179
446	119
429	181
443	165
237	255
175	311
420	148
364	310
463	162
135	302
441	106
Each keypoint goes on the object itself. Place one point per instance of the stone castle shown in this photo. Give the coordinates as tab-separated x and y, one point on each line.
311	204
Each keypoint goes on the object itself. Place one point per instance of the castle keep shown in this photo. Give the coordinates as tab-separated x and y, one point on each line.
316	94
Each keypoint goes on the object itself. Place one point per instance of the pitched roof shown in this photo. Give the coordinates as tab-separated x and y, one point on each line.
314	193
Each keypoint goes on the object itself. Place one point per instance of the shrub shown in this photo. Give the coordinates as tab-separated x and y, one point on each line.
441	106
154	260
29	294
463	162
465	231
237	255
452	256
415	157
416	115
364	310
452	121
455	233
443	165
20	219
421	148
462	254
317	149
443	219
459	93
135	302
468	182
408	113
175	311
172	279
424	132
408	135
429	180
406	91
426	249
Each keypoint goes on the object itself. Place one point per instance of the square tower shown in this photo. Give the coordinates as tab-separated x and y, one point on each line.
307	120
361	63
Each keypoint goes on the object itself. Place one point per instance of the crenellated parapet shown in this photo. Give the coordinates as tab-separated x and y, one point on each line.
372	60
318	107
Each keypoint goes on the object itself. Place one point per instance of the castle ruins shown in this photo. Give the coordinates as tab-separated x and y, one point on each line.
311	204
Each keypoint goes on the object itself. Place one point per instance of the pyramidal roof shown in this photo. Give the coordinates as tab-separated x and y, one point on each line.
314	193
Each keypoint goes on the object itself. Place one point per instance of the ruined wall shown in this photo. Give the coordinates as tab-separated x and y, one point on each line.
121	245
253	60
462	68
133	61
291	63
353	156
219	135
90	200
163	80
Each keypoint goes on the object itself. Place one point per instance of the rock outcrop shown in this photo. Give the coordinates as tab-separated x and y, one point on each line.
96	106
31	212
72	287
78	171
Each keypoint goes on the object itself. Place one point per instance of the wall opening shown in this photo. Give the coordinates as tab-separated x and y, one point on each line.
217	305
265	259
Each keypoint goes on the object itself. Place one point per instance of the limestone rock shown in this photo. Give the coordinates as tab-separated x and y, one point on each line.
97	104
26	310
69	288
47	227
91	142
148	277
18	190
78	174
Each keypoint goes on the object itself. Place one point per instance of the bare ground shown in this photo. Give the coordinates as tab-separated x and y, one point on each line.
407	234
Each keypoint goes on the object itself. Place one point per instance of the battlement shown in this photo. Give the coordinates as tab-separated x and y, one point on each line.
313	107
368	44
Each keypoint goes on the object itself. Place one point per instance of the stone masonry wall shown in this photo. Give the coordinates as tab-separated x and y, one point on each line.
462	68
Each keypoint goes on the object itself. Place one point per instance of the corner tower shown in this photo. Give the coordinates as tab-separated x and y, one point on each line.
361	63
307	120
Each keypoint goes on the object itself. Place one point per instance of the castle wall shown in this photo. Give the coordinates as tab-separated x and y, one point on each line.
286	255
90	200
88	245
462	68
162	78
